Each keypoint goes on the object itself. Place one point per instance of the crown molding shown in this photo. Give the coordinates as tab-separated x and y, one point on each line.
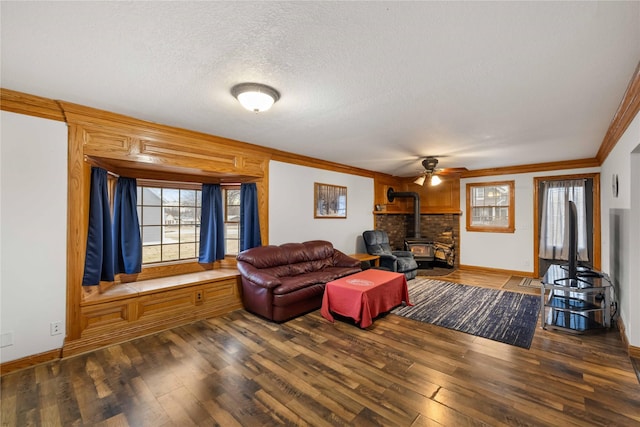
31	105
536	167
627	111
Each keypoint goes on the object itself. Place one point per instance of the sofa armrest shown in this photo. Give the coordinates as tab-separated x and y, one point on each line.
340	259
404	254
258	277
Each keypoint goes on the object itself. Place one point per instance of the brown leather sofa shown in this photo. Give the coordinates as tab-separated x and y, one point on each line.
282	282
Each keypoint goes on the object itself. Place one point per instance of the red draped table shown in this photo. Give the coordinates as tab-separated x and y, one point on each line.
363	296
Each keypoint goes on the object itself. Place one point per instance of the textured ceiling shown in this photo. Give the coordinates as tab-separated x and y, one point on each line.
374	85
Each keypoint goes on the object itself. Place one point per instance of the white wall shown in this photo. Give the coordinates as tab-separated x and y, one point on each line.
33	234
291	208
621	227
505	251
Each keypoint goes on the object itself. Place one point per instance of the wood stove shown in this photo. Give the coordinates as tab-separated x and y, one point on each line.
422	249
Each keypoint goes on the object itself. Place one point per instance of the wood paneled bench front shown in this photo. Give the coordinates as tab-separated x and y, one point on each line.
132	310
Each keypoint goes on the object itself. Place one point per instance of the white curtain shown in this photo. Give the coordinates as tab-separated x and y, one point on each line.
553	232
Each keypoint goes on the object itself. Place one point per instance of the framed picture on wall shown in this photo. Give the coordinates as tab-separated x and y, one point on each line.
329	201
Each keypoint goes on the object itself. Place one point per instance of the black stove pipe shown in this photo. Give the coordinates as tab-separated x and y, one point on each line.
391	194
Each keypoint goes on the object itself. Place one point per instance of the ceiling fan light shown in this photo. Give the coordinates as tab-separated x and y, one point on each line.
435	180
420	180
254	96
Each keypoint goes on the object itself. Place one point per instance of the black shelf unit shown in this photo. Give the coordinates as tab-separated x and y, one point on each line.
572	305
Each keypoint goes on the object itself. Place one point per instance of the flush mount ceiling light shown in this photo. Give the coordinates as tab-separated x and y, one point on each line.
255	97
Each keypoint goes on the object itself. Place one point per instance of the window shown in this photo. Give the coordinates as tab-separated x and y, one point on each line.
231	220
169	222
490	207
555	194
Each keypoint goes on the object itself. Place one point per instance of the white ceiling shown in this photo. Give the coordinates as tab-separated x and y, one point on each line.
374	85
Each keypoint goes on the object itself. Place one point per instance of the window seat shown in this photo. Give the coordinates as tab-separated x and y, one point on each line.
131	310
151	286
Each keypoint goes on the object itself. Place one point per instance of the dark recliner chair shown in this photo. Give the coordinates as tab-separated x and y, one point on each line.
377	243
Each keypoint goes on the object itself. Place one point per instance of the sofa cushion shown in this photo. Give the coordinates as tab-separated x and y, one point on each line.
290	259
264	256
293	283
303	294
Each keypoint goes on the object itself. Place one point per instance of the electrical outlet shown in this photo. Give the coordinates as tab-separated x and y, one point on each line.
199	296
56	328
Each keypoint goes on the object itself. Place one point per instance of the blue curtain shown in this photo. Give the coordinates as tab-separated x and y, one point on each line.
126	228
211	224
249	219
98	265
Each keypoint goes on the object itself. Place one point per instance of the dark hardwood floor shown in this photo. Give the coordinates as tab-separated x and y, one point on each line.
240	370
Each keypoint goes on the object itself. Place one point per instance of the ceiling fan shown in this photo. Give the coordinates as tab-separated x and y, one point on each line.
429	164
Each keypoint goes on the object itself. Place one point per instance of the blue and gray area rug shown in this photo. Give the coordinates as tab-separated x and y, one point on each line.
499	315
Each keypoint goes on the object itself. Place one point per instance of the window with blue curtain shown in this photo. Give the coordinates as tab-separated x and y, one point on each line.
99	265
211	224
126	229
249	217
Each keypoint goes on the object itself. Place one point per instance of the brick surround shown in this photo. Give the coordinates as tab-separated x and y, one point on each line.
400	226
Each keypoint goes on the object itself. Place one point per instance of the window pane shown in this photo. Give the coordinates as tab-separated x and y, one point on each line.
170	215
232	230
233	197
151	235
187	215
187	233
151	215
477	195
170	197
151	254
187	250
233	213
170	252
151	196
232	247
187	197
169	234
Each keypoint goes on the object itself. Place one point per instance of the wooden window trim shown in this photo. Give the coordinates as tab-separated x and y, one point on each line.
510	228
